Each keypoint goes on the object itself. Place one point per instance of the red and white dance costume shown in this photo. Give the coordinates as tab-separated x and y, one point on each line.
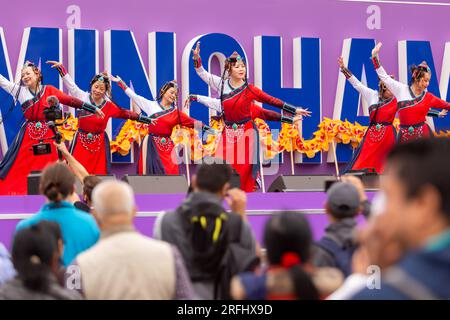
90	145
239	142
19	161
380	135
256	111
157	149
412	109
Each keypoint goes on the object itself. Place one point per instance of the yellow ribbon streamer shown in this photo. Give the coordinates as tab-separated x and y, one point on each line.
328	130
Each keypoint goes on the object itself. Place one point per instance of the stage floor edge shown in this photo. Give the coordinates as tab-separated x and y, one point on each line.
260	206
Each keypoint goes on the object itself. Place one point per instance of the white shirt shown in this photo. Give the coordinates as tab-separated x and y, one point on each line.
74	90
400	90
369	95
148	106
214	81
351	286
12	88
212	103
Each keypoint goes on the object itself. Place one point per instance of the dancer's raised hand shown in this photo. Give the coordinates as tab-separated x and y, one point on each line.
55	64
376	49
341	62
196	51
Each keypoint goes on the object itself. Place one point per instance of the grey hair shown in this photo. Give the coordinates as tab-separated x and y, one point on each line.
113	197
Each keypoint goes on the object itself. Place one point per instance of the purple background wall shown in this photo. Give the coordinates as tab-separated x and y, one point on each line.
330	20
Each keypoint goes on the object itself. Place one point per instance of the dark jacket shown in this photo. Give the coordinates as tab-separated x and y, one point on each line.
15	290
341	232
169	227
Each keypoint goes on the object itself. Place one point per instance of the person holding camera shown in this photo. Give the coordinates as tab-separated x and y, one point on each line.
88	181
31	150
239	142
90	145
79	230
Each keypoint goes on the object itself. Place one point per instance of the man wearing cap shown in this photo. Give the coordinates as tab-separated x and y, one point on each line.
336	247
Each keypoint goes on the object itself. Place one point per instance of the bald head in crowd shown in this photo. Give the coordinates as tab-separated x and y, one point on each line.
114	203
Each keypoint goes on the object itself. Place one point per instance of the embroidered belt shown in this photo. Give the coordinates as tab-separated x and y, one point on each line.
411	131
377	131
164	144
91	141
37	130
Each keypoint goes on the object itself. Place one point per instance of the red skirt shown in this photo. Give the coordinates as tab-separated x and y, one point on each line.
238	146
92	151
374	148
20	160
156	156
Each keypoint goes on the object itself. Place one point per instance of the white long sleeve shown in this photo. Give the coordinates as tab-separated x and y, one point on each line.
369	95
14	88
148	106
212	80
212	103
351	286
398	89
10	87
74	90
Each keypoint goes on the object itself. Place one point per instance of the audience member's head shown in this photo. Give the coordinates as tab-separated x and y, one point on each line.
214	178
113	203
36	253
57	182
89	183
417	188
288	240
343	201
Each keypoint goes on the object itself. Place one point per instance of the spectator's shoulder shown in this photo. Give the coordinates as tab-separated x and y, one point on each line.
167	218
82	215
22	224
87	221
165	214
321	257
385	292
27	222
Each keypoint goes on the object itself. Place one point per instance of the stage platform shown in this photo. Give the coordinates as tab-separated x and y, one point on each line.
259	208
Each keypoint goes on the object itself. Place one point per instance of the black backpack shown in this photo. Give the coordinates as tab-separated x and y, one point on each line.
342	255
215	252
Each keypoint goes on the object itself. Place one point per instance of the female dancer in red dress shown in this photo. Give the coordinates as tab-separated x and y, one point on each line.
90	145
20	160
255	110
414	101
380	135
157	154
239	145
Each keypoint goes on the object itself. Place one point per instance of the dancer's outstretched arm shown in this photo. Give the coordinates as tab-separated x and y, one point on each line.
212	80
